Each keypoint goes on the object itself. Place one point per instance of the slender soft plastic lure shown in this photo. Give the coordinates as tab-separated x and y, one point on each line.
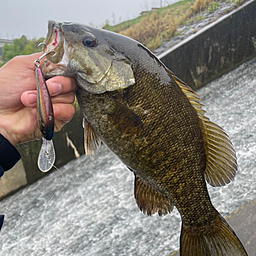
45	119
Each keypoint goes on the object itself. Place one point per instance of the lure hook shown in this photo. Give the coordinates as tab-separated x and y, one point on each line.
44	44
37	62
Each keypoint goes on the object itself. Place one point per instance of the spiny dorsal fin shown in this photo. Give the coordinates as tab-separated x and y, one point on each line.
91	140
149	200
191	95
221	165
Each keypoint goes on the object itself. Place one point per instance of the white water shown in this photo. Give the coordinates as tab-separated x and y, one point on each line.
88	208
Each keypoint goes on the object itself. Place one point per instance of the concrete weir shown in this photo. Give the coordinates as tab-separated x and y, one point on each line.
216	49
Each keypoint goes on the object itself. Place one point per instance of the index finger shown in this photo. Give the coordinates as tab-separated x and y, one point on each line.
66	84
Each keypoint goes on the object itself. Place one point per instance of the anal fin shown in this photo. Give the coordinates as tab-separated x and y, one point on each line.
149	200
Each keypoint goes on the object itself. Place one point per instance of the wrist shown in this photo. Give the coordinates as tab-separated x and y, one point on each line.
9	154
8	136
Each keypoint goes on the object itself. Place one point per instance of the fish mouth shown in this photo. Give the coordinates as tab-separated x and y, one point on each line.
96	69
58	49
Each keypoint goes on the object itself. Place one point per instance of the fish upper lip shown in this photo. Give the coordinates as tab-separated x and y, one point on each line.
55	41
51	26
53	38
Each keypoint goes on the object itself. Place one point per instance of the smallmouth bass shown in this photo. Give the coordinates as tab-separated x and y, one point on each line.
155	124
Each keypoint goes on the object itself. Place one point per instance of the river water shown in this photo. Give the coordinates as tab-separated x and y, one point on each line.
87	207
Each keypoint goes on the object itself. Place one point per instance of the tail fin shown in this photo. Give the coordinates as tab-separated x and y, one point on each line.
216	239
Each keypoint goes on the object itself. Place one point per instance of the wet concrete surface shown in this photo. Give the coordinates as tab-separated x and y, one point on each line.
243	221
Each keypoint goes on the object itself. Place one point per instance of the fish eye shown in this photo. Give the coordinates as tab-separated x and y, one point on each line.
89	41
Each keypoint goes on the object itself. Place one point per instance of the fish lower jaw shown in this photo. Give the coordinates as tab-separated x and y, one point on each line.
52	69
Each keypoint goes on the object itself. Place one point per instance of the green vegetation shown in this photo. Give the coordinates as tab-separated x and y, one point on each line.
21	46
154	27
237	2
212	7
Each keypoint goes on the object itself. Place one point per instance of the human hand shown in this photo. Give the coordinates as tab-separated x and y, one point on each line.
18	121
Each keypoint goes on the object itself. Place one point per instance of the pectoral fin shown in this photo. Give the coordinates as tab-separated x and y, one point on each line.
91	140
124	119
149	200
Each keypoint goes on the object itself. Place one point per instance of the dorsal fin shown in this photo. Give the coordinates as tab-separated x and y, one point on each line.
191	95
221	165
149	200
91	140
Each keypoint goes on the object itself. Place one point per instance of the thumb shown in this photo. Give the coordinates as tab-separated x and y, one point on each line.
27	60
30	59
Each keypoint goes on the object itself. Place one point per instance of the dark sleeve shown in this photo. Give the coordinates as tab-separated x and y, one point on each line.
1	221
9	155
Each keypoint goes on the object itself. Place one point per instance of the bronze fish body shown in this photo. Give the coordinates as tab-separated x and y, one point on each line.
155	124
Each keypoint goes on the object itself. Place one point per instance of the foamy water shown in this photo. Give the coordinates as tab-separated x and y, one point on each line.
88	207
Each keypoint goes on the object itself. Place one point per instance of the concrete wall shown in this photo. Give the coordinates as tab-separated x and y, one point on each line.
13	180
216	49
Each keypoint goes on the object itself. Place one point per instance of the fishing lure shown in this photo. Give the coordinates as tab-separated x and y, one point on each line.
45	119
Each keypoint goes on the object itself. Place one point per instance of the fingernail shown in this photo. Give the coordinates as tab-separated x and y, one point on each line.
56	88
32	99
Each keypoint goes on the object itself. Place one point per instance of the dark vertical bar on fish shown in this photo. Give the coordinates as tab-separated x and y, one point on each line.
44	107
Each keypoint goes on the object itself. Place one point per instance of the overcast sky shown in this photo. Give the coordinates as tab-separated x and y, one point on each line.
29	17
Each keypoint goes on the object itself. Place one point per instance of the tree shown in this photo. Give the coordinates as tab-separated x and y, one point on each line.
20	46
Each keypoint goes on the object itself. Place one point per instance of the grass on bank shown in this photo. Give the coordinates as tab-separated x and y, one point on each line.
155	27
